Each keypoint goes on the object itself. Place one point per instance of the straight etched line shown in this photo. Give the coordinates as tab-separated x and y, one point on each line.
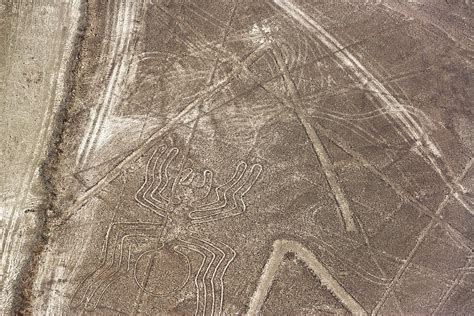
346	59
282	247
144	146
419	240
317	144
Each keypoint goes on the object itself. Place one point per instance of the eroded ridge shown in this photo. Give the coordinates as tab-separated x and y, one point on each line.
282	247
181	199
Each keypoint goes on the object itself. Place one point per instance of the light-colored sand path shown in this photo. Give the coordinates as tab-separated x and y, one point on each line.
36	44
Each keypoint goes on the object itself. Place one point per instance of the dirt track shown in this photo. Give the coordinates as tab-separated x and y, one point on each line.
275	157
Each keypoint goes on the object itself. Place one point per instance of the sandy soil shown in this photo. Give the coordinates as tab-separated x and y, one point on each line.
239	157
36	46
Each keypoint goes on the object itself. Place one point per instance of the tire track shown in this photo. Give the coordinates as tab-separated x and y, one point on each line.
119	67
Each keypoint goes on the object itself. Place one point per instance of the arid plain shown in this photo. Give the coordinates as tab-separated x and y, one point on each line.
281	157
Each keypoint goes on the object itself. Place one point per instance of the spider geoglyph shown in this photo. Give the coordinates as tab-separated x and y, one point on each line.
180	203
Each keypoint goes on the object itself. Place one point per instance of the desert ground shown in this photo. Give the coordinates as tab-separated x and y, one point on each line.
274	157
